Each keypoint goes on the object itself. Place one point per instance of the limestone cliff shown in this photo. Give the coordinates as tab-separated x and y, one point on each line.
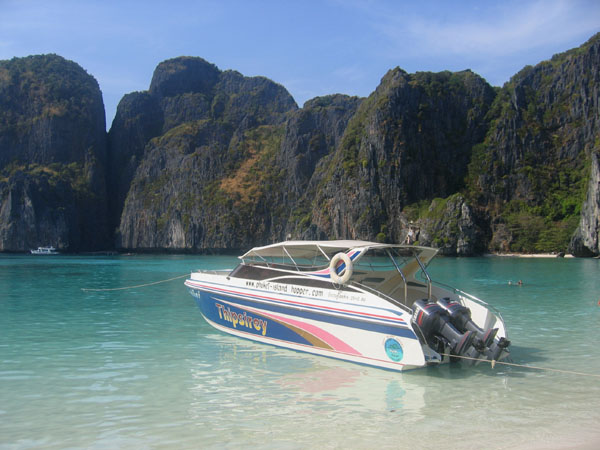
451	225
211	159
231	162
139	118
409	141
52	156
586	240
531	172
312	136
213	128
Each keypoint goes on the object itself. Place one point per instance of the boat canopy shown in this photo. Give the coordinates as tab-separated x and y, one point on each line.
305	249
311	253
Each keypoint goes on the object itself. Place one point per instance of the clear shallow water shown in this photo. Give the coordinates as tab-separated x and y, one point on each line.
140	368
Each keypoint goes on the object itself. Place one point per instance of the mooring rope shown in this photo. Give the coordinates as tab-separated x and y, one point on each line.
493	362
136	286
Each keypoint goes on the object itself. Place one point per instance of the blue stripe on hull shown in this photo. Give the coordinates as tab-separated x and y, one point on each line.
220	311
208	301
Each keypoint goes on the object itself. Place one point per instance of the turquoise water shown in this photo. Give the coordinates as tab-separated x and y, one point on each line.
140	368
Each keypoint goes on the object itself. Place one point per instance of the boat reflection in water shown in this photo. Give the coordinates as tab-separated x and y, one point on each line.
294	386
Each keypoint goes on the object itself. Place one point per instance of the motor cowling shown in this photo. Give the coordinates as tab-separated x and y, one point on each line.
460	316
434	322
494	351
485	341
446	322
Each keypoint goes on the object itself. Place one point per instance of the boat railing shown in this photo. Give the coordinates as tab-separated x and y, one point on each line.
392	300
470	297
401	275
424	272
381	295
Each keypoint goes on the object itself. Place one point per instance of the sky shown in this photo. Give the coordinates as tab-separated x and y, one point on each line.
310	47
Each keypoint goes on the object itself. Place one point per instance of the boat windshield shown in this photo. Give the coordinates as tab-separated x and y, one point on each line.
385	259
381	264
393	270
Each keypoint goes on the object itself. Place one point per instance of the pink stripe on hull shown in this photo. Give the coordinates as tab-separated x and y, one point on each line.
335	343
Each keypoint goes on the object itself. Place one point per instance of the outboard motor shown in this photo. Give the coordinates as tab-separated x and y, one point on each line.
484	342
495	350
434	321
460	316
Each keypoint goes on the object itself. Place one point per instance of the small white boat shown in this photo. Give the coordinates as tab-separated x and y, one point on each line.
44	251
359	301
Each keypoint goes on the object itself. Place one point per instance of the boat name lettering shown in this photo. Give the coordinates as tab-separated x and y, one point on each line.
244	320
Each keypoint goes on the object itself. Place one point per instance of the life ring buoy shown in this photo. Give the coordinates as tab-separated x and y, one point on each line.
333	274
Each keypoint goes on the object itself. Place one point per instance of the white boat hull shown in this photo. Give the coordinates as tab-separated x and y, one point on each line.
324	325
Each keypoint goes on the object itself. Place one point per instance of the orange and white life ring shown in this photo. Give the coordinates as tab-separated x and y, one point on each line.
347	271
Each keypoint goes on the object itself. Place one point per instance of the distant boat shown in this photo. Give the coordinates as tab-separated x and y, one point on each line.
44	251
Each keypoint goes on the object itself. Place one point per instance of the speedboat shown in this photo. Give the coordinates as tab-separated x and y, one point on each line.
44	251
359	301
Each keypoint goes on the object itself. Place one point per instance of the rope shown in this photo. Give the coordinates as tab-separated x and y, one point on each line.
136	286
493	362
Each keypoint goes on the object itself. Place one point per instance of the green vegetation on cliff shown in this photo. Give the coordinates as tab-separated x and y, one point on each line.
73	175
52	155
531	172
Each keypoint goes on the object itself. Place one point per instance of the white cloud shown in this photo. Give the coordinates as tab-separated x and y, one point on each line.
494	39
499	30
536	25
